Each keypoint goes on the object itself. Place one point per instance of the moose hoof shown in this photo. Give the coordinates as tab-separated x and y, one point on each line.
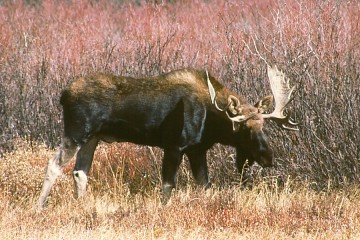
166	194
207	186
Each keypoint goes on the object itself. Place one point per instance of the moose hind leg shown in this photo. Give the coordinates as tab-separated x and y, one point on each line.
54	168
171	163
83	163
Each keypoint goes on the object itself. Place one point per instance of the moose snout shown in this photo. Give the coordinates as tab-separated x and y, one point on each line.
266	163
265	158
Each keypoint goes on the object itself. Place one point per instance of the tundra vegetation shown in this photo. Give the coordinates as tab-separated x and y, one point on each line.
311	193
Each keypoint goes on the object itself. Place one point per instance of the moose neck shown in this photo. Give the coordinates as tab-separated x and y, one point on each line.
219	129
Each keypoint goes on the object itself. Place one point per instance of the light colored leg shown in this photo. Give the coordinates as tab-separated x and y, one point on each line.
82	167
80	179
54	170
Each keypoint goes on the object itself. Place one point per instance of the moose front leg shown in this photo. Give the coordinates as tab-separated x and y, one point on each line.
243	162
199	168
170	167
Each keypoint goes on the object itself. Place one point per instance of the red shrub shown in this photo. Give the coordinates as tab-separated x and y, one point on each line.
45	44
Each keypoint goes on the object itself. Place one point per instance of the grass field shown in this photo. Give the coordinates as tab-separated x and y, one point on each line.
312	193
116	210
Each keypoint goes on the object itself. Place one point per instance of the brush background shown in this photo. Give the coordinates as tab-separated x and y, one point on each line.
45	44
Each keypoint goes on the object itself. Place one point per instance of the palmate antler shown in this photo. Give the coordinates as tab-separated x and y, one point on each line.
282	97
281	94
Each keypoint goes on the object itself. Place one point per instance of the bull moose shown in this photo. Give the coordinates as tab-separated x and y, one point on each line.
185	111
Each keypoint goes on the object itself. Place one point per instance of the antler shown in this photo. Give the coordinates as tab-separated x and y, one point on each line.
282	96
233	108
233	102
230	105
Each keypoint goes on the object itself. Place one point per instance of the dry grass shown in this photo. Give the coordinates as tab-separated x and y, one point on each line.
265	211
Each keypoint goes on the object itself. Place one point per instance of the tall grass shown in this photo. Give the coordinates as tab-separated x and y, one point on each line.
121	205
45	44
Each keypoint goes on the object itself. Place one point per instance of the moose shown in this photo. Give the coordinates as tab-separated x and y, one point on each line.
184	111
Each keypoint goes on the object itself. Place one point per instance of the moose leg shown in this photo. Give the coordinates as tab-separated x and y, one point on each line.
170	166
199	168
54	168
243	163
84	159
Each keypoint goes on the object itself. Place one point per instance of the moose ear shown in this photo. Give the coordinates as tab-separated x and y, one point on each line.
265	103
